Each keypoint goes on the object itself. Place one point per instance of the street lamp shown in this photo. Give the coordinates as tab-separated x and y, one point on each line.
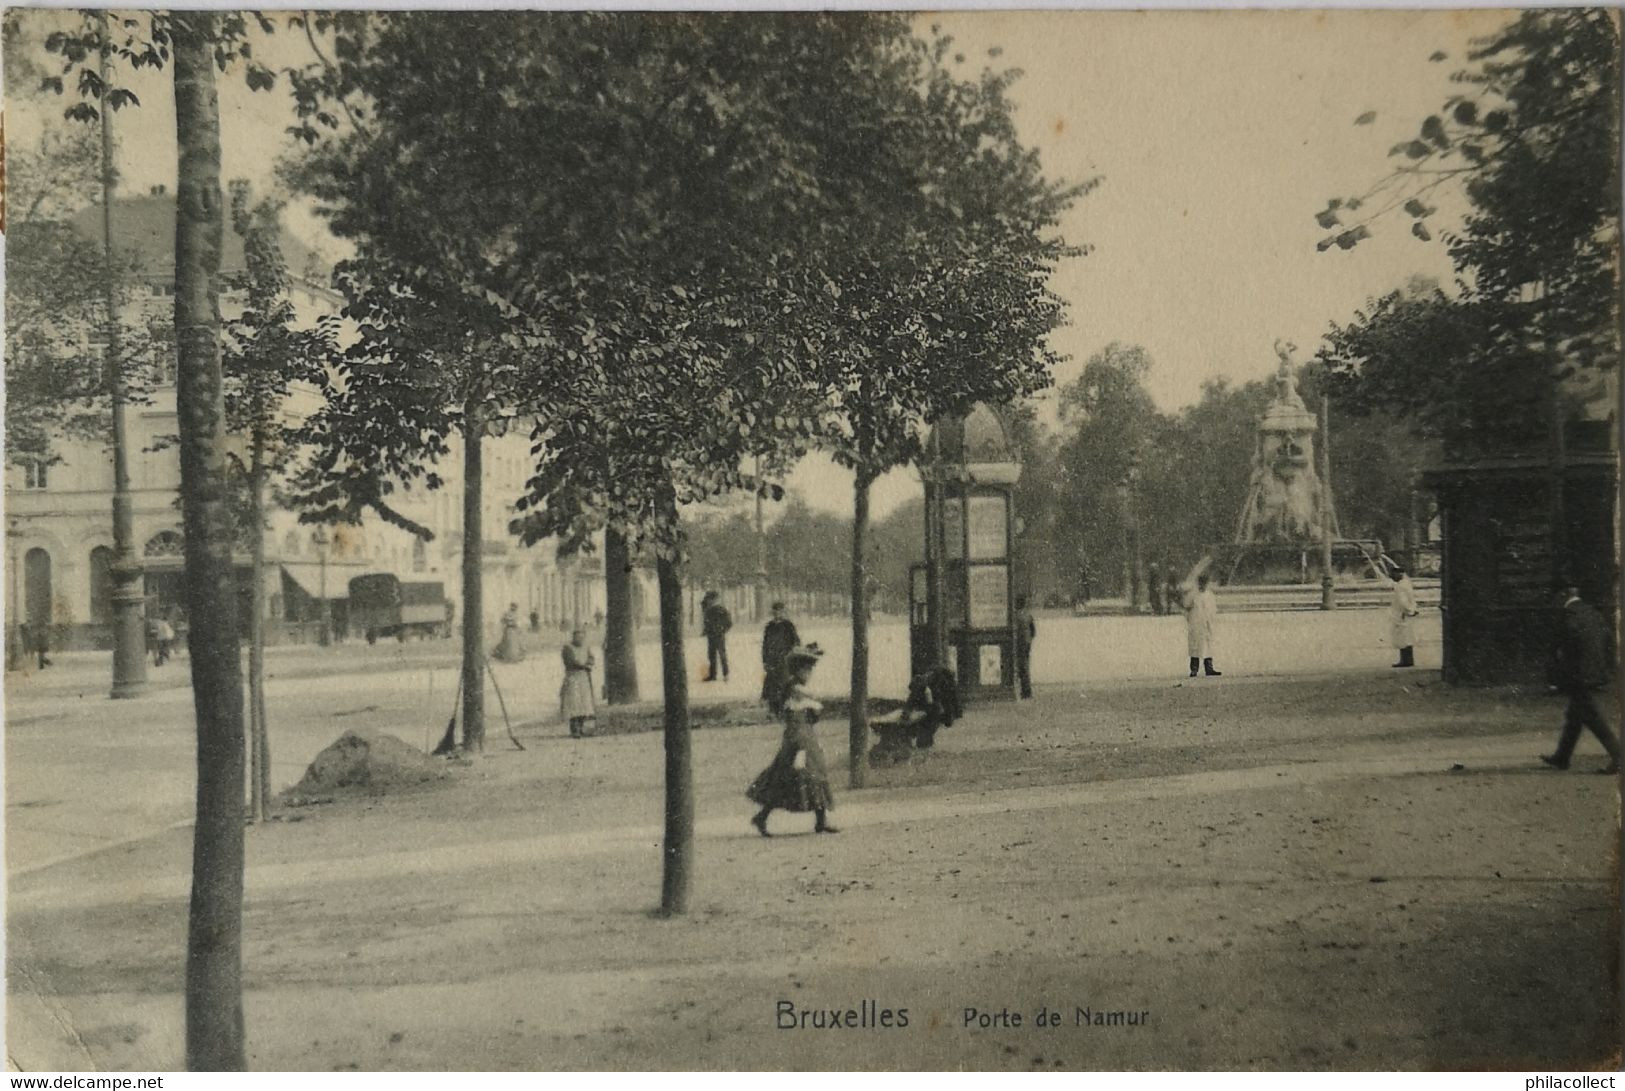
14	635
319	538
1131	531
129	596
761	549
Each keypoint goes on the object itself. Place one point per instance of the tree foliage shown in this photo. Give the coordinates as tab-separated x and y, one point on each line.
1533	141
56	313
1184	476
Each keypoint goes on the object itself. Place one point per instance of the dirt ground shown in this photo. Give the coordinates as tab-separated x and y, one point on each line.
1346	872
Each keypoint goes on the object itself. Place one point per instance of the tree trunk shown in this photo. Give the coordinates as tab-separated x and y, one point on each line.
679	844
620	658
214	994
858	714
473	587
259	775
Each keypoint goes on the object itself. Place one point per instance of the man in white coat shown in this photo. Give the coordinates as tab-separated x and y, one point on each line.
1201	615
1402	619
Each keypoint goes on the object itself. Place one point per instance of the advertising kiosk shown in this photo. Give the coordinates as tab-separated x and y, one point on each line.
963	596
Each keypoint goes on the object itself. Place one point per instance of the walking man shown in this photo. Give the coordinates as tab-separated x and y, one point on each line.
1026	632
1581	666
716	624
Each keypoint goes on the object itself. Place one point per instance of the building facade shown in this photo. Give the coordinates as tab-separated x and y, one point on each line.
59	526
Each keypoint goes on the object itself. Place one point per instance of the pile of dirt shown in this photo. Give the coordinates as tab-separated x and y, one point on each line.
366	762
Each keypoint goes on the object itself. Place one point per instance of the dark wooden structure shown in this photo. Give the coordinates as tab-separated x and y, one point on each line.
1513	527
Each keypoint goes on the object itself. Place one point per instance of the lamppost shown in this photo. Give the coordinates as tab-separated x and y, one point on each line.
761	548
14	635
129	598
1328	593
1131	531
319	538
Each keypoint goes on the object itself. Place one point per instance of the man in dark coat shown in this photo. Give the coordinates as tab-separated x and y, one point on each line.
716	624
778	637
1026	632
1581	667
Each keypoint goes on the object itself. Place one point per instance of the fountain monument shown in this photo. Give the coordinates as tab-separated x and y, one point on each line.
1288	512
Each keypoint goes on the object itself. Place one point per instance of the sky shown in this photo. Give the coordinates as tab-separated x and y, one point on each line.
1217	136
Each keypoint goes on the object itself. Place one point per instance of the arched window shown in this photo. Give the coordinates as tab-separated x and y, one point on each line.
101	585
166	543
37	583
293	543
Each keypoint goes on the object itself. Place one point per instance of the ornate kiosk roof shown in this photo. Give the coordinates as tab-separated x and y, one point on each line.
979	442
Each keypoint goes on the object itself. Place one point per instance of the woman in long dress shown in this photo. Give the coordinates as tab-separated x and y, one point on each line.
797	780
575	695
508	648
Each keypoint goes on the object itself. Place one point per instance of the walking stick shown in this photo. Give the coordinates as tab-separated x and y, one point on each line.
505	721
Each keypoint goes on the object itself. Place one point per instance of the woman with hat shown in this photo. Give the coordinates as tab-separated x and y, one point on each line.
797	779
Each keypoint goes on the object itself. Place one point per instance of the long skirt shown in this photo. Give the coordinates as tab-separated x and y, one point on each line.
784	786
509	650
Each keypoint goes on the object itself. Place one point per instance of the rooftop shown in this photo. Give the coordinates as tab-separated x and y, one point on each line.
144	227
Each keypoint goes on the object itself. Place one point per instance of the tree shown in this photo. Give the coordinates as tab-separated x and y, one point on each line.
1112	422
1532	140
214	1011
620	658
448	320
432	358
56	380
721	549
931	272
637	167
264	358
195	43
1038	557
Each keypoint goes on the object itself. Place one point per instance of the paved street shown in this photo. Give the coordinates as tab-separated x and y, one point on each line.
84	772
1322	869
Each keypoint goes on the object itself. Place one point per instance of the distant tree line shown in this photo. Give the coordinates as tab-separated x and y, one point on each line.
1182	477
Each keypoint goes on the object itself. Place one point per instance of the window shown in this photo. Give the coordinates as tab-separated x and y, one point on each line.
420	555
37	598
36	472
166	543
101	585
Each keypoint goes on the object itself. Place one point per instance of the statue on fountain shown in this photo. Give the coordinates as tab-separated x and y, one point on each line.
1285	495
